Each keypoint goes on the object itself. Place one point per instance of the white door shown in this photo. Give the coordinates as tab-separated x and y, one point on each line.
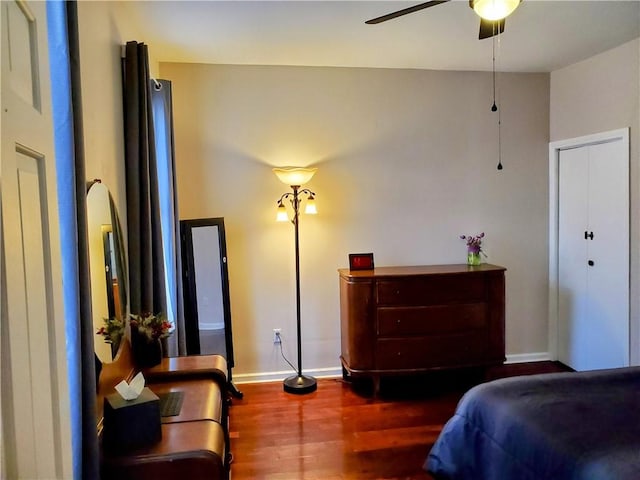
593	256
573	330
36	441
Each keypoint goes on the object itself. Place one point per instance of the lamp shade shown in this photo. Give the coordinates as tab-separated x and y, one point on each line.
282	216
294	175
310	208
494	9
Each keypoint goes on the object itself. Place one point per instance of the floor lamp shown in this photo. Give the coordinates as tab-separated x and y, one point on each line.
295	178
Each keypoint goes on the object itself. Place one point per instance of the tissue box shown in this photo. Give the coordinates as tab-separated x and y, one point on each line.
131	424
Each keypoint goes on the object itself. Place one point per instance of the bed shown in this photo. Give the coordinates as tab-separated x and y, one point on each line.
574	425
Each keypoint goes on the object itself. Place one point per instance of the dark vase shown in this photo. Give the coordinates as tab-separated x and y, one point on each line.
146	353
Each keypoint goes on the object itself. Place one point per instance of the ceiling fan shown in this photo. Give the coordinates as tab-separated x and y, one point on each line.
492	14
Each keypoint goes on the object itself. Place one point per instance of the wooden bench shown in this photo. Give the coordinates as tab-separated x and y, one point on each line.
195	443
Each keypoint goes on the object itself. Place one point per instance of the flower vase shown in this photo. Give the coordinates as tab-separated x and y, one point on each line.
473	257
146	352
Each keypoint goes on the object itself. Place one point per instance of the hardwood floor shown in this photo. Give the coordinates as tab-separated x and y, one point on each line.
342	432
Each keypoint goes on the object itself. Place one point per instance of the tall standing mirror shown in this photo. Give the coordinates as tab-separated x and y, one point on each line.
107	267
206	290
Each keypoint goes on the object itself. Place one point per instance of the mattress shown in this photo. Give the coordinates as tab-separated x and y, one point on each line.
574	425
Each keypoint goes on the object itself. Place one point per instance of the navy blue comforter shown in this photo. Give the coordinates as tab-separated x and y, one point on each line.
563	426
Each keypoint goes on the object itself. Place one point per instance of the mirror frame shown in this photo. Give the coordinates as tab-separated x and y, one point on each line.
120	266
190	288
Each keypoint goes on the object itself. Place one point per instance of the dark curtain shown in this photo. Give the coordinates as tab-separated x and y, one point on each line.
146	269
64	54
90	458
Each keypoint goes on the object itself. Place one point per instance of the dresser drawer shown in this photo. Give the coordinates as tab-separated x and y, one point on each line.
433	290
436	319
427	352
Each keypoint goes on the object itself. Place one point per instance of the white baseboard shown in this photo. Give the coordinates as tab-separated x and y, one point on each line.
240	378
333	372
529	357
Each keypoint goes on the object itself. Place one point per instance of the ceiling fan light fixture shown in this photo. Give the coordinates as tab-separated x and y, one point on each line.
494	9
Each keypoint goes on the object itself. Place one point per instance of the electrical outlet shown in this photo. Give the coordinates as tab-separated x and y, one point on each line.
276	336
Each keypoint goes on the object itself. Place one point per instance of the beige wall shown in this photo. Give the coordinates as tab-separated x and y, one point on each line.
100	46
103	131
597	94
600	94
407	162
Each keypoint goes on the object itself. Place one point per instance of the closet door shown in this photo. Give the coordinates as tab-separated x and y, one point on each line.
573	328
608	276
593	330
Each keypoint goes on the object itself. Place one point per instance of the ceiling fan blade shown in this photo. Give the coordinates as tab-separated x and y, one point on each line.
405	11
489	28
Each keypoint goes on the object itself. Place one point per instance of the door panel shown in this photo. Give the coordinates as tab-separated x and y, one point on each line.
608	301
572	253
32	390
34	387
22	58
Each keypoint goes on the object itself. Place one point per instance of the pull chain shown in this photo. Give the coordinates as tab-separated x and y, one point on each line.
493	40
494	107
499	144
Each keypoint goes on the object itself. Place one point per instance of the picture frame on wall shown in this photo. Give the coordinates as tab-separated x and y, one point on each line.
361	261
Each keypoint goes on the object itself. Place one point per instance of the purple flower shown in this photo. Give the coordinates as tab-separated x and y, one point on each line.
474	242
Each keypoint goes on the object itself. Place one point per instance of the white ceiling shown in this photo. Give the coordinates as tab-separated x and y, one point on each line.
540	36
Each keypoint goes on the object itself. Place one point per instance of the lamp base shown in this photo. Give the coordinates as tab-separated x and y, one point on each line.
300	384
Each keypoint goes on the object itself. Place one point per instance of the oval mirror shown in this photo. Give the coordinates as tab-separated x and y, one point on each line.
108	273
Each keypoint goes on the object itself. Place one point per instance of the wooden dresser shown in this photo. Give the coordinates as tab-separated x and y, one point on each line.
401	320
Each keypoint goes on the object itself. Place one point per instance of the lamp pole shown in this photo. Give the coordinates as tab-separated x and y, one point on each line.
299	383
296	217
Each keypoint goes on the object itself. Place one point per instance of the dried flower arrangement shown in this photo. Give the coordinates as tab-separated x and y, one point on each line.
153	326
